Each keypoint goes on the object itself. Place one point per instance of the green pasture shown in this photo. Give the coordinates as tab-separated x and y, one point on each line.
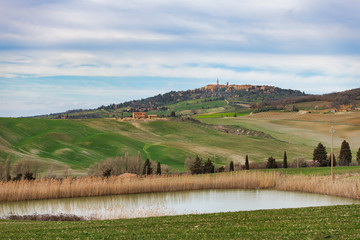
334	222
80	143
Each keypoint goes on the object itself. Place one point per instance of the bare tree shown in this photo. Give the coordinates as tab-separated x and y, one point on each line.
188	163
50	174
66	172
126	162
2	172
7	169
139	163
18	168
116	166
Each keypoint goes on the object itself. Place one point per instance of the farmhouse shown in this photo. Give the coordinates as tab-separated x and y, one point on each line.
139	115
154	116
345	108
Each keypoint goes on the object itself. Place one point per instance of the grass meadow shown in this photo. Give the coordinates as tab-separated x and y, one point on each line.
334	222
80	143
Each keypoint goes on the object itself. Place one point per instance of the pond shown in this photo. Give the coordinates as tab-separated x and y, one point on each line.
171	203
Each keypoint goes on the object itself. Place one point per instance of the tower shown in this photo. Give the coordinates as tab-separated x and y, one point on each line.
217	82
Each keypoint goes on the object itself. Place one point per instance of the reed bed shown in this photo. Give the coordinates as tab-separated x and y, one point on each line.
98	186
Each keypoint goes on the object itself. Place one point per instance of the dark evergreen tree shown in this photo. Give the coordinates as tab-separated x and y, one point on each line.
271	163
345	154
221	169
147	170
334	159
285	165
107	172
209	167
172	114
158	169
320	155
197	166
247	166
358	156
231	167
29	176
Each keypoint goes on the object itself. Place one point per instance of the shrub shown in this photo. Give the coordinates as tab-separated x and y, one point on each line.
271	163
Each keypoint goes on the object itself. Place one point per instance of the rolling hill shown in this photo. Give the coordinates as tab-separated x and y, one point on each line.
80	143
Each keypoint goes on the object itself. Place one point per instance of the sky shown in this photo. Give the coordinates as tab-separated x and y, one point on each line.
57	55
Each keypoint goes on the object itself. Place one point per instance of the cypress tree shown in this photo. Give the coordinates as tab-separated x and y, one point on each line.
209	167
271	163
358	156
231	167
345	154
334	159
158	169
285	165
247	167
147	170
320	155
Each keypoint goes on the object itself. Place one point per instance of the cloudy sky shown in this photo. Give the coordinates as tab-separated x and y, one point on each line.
57	55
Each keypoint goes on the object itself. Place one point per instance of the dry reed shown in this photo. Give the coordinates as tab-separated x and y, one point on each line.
97	186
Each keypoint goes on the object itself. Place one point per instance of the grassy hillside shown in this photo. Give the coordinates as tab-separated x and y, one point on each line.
334	222
303	130
80	143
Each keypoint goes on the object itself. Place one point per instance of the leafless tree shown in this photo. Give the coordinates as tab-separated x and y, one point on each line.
7	169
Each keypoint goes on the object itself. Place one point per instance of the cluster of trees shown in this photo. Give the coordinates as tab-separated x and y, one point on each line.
26	170
271	162
322	159
197	166
336	99
126	164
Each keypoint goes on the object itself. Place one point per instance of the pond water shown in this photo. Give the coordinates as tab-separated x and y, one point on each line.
171	203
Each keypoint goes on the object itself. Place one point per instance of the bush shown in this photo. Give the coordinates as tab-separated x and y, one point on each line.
271	163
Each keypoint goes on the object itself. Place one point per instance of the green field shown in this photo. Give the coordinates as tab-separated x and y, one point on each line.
80	143
334	222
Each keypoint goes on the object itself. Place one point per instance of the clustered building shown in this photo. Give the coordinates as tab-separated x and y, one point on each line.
234	87
142	115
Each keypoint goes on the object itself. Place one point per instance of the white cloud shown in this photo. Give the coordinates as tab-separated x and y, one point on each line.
310	45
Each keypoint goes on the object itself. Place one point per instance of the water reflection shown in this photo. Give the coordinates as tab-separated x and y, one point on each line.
159	204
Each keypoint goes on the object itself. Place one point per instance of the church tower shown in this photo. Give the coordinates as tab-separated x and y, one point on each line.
217	82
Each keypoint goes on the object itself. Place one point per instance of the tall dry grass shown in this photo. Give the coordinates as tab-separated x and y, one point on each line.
97	186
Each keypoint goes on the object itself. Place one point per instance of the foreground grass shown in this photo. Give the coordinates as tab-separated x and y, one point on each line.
334	222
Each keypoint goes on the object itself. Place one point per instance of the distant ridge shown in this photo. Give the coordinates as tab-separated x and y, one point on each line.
235	95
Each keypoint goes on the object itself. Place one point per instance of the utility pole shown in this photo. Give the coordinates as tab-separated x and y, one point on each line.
332	131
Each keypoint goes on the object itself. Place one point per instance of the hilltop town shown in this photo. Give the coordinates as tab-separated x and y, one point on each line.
234	87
